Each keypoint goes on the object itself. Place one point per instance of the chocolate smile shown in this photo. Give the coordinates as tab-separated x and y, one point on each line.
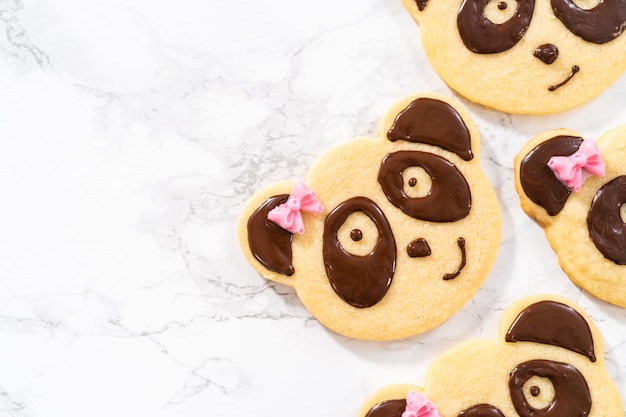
461	243
575	70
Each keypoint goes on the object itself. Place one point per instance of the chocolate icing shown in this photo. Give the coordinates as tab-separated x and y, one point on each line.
461	243
547	53
421	4
571	392
481	410
535	391
537	179
606	228
575	70
360	281
389	408
418	248
553	323
433	122
601	24
449	198
269	243
356	235
482	36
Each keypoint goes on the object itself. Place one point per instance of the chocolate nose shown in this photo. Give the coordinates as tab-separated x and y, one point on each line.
547	53
418	248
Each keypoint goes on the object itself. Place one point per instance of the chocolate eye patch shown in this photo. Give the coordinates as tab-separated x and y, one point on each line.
604	221
360	281
449	198
482	36
571	392
601	24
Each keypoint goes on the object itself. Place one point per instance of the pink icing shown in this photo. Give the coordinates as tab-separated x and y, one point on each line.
418	405
574	169
289	214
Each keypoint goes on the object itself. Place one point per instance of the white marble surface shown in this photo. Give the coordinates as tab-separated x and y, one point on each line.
133	131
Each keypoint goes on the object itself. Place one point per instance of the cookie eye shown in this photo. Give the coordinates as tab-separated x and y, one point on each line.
605	220
601	24
358	234
543	388
448	198
539	392
359	270
485	31
417	182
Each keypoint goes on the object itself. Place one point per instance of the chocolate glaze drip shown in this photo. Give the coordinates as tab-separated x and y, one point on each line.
571	392
606	227
601	24
360	281
432	122
553	323
418	248
482	36
547	53
389	408
535	391
449	198
481	410
537	179
269	243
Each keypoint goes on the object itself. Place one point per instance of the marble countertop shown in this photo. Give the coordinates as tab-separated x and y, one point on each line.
133	132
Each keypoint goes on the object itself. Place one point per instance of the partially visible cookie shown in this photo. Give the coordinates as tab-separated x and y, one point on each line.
399	230
525	56
548	360
586	228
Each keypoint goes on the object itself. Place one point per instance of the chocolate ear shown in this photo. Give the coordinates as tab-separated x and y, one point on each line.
538	181
421	4
388	408
433	122
553	323
269	243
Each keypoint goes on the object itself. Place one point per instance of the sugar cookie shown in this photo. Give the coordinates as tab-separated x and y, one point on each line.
585	227
525	56
548	360
399	231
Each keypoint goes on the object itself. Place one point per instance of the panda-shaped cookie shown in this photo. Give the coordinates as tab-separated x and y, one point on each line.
388	236
525	56
548	361
575	189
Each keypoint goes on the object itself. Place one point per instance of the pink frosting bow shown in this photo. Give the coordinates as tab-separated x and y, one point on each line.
569	169
288	215
418	405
